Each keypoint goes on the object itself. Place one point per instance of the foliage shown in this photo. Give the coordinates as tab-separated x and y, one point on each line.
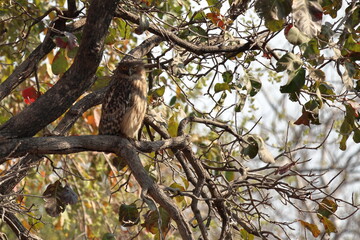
230	83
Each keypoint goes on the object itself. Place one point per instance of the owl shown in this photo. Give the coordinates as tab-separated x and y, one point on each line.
124	105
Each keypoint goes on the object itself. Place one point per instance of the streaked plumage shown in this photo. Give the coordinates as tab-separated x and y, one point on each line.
124	106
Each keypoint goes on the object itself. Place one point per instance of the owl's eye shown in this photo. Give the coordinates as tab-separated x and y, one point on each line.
123	68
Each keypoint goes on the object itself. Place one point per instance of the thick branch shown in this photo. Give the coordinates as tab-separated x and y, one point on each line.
172	37
73	83
16	226
71	7
145	47
81	106
26	68
121	146
149	186
64	145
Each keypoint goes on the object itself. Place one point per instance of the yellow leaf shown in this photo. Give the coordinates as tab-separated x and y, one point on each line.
173	126
328	225
311	227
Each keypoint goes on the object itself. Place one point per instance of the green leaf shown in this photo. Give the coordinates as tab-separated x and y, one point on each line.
351	68
108	236
199	30
241	103
353	18
312	107
356	136
222	99
4	116
351	44
325	34
227	76
289	61
256	86
274	25
101	81
311	49
326	89
343	142
296	81
59	64
230	176
71	53
327	207
318	94
295	36
331	7
111	37
194	31
346	128
159	92
273	12
123	28
200	15
347	76
221	87
215	3
152	221
172	101
250	147
186	182
178	188
129	215
245	235
251	84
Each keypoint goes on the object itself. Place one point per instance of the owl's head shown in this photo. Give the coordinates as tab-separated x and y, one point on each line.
131	66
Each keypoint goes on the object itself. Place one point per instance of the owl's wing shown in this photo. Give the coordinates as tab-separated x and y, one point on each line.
116	103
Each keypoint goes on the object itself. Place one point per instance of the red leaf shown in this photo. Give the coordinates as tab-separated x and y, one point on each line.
60	42
316	12
30	95
303	119
288	27
267	55
217	19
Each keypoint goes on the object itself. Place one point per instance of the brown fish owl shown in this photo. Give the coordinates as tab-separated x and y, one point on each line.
124	106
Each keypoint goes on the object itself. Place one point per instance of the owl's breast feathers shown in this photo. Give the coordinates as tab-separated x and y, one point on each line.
124	104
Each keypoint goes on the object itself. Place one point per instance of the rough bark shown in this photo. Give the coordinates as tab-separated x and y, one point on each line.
13	148
73	83
122	147
27	67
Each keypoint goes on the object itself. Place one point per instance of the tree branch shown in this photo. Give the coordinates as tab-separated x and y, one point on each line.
26	68
170	36
64	145
87	102
121	146
74	81
16	226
